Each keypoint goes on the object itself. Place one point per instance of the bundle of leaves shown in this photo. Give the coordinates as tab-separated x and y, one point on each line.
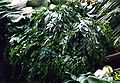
109	11
8	16
87	78
4	11
58	40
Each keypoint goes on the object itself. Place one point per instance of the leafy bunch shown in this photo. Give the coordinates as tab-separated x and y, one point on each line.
58	40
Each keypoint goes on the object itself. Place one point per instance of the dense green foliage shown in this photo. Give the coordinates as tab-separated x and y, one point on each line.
59	40
117	74
56	40
109	11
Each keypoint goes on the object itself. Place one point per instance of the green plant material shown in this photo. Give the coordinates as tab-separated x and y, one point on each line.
58	1
8	14
109	11
93	79
4	10
116	74
117	42
62	37
37	3
86	78
56	41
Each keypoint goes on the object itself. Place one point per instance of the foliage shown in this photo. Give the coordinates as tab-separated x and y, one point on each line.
109	11
108	76
37	3
58	1
56	41
88	78
4	10
117	42
116	74
8	16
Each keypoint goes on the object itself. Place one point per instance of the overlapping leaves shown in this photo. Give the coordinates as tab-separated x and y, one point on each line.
56	41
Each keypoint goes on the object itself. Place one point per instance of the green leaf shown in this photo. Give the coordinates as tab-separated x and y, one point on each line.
93	79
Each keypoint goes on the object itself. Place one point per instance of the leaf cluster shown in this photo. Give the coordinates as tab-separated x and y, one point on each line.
56	41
